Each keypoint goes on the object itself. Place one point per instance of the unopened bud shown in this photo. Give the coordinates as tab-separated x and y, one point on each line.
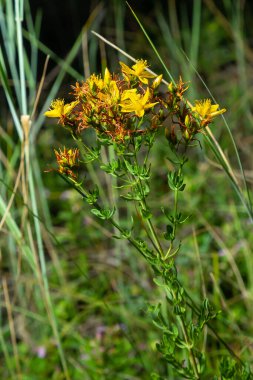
187	121
157	81
107	76
171	87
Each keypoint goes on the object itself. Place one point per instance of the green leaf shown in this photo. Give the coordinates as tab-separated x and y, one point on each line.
138	142
92	155
169	234
131	168
159	282
116	237
93	195
115	168
136	194
176	181
126	233
103	213
132	196
207	313
146	213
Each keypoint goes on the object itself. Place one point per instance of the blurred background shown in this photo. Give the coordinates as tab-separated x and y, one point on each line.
74	305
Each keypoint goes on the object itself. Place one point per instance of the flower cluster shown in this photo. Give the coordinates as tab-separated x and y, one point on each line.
121	107
112	104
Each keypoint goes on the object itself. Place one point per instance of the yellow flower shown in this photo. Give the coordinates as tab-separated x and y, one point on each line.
111	95
114	91
59	109
206	109
130	94
95	82
106	90
133	102
138	70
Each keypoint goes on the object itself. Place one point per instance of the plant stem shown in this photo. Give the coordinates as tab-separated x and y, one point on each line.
143	204
132	241
192	356
153	232
175	213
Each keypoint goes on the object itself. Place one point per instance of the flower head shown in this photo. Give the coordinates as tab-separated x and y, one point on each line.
131	101
111	95
95	82
59	109
138	70
206	110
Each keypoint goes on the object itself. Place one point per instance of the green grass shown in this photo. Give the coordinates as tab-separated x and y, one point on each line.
70	293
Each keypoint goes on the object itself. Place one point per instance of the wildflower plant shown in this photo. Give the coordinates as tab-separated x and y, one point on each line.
127	111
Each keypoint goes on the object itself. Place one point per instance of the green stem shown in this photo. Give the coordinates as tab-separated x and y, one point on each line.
153	232
187	340
132	241
143	204
175	212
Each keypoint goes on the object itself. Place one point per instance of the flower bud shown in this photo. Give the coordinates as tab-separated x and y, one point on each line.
171	87
107	77
157	81
187	121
